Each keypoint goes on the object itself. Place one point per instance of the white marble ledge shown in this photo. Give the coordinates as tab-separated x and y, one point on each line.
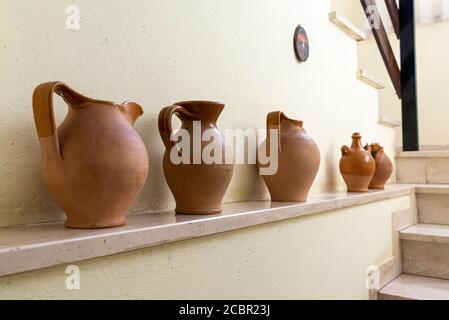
28	248
424	154
432	188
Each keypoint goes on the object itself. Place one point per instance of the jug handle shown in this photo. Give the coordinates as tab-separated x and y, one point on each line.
44	116
274	120
165	123
345	150
368	148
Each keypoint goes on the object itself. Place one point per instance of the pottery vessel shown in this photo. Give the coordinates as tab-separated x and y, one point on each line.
357	165
95	164
198	184
384	166
298	159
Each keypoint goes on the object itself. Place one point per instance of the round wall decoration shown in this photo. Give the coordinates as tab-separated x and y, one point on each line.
301	44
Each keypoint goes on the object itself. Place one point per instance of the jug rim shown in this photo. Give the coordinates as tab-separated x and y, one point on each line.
199	102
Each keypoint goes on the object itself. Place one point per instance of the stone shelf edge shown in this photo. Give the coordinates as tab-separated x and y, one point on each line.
424	154
28	248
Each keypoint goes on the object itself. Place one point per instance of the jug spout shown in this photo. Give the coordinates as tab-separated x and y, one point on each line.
131	110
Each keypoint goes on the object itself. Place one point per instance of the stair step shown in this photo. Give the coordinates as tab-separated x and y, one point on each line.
370	79
433	203
409	287
387	121
425	154
432	189
347	26
427	233
425	250
423	167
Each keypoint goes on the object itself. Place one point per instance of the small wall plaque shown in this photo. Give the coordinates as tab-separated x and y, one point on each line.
301	44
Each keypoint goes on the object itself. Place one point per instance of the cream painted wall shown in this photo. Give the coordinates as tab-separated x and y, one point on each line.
159	52
322	256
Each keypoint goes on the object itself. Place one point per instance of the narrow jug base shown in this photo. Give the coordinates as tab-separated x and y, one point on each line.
103	224
205	212
358	190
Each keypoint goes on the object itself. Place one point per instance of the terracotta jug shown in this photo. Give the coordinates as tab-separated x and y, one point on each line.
197	186
357	165
298	159
95	163
384	166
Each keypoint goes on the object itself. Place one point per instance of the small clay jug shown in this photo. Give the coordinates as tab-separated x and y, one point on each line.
357	165
384	166
298	159
95	163
198	185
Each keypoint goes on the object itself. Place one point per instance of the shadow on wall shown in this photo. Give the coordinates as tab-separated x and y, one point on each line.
155	195
247	185
331	170
23	194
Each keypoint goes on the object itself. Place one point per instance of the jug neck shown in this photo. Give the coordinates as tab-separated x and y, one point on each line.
356	141
204	111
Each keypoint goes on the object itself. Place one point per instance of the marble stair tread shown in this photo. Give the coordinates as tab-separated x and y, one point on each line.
27	248
427	233
409	287
432	188
389	122
347	26
370	79
424	154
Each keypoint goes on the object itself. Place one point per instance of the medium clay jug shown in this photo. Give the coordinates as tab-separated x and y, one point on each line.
198	184
357	165
95	163
298	159
384	166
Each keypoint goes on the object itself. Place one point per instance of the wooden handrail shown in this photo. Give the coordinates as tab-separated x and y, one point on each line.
383	43
393	10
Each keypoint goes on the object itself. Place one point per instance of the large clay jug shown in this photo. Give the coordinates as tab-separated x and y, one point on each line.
357	165
298	159
198	186
95	163
384	166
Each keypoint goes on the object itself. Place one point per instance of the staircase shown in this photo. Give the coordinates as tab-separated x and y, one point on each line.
425	246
